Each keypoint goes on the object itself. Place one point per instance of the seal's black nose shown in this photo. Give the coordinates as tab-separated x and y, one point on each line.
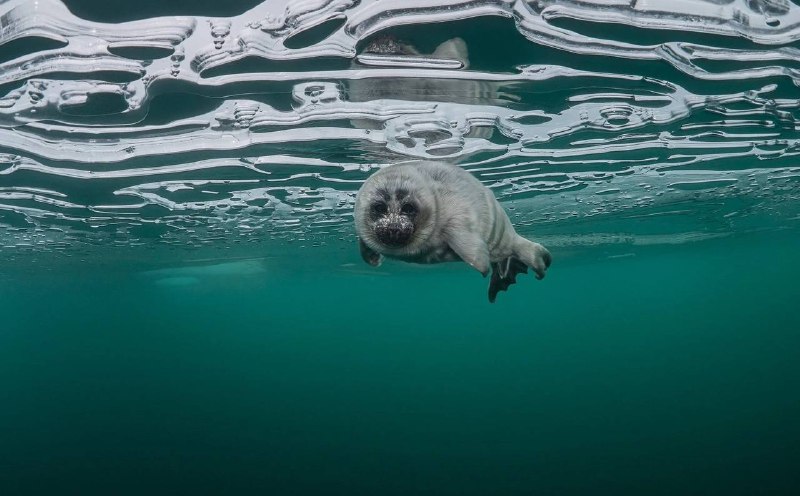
394	232
394	237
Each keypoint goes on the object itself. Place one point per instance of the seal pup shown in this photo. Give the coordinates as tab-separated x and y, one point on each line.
430	212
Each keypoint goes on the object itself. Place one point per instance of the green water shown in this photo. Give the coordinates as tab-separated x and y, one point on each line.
673	371
184	312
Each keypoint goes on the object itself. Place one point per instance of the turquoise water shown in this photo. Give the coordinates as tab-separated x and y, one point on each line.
671	371
184	311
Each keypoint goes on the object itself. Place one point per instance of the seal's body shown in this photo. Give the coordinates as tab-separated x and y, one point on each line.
431	212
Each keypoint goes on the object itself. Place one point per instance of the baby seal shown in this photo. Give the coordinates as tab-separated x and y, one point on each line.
430	212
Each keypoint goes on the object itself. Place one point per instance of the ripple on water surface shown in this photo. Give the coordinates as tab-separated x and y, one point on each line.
261	123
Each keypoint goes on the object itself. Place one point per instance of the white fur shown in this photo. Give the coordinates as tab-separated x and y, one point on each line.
459	219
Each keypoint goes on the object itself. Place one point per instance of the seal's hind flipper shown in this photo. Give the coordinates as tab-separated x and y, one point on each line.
504	274
369	255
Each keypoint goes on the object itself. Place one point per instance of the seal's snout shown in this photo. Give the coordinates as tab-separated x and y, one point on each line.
394	230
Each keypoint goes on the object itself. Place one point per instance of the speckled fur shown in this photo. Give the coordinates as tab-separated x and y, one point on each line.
458	219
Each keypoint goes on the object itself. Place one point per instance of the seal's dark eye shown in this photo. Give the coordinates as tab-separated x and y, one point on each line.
408	209
379	208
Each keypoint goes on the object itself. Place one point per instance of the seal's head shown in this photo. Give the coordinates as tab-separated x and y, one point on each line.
395	211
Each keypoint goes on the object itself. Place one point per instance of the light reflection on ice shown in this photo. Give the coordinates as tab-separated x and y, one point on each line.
193	130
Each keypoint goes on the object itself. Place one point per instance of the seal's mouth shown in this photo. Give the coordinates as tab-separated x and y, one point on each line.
393	230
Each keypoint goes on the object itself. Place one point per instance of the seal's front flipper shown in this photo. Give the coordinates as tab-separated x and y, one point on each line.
369	255
504	274
453	49
470	248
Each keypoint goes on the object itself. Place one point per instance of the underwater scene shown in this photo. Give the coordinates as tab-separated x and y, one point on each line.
187	305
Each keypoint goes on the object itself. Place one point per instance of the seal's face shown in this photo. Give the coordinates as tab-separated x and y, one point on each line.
395	212
392	216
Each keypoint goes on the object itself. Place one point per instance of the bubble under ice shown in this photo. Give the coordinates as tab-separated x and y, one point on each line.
196	131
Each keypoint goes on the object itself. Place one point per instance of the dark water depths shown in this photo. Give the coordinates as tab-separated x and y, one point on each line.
673	371
183	310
